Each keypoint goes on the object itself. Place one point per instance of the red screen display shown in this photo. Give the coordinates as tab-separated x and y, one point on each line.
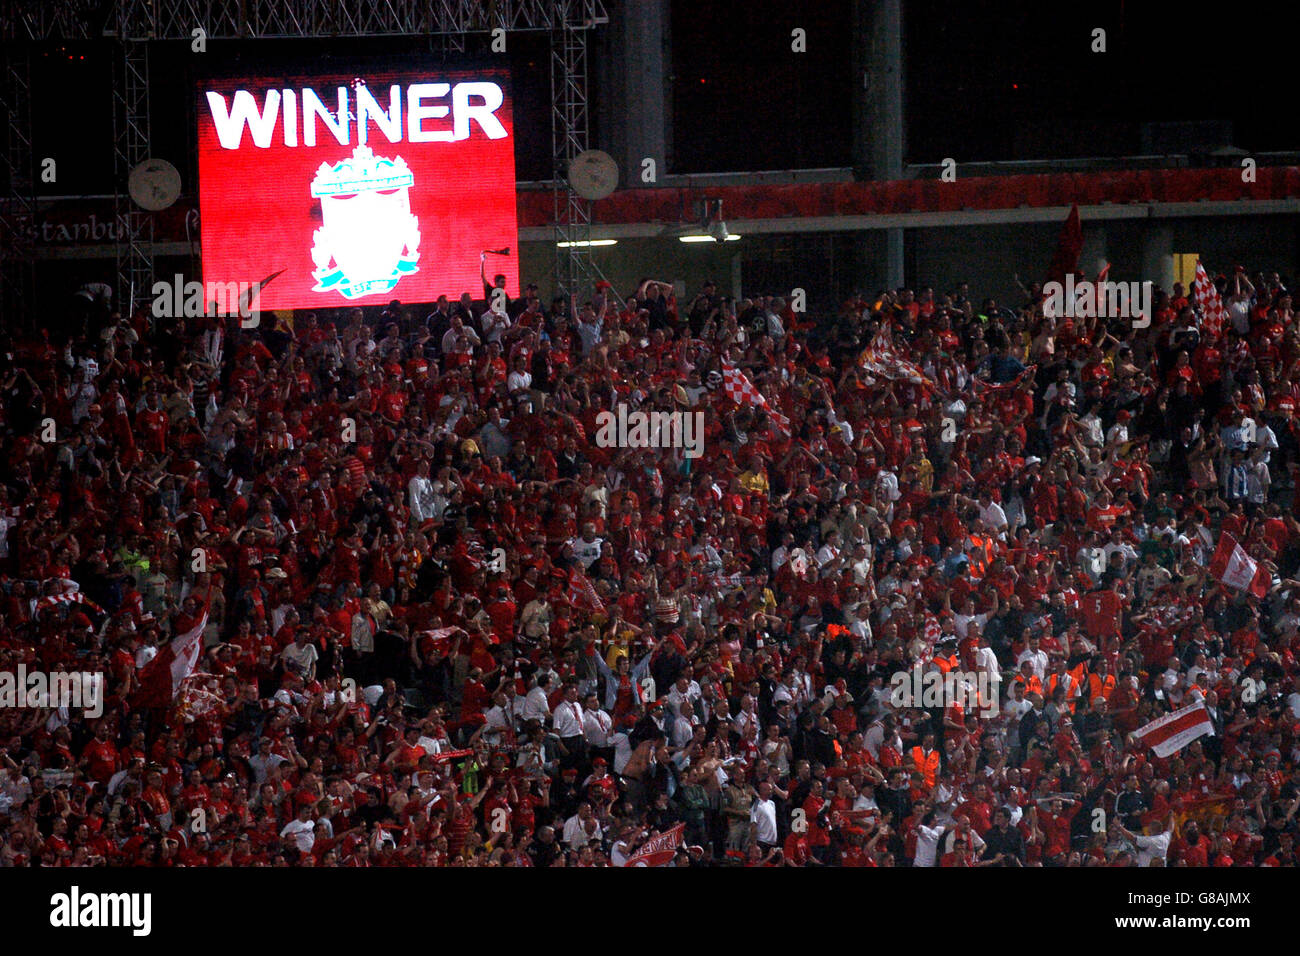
362	187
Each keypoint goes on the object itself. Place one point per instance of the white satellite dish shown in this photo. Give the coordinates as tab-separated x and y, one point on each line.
154	184
593	174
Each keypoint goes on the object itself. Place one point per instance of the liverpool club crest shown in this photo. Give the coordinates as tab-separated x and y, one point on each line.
369	239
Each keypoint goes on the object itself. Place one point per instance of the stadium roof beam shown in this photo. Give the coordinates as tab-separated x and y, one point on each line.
36	20
938	220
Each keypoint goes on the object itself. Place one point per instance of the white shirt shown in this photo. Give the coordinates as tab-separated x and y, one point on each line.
596	725
567	719
494	323
779	557
450	345
874	739
826	555
962	621
987	661
887	487
259	763
683	731
535	706
1150	847
421	499
517	381
763	813
996	518
7	521
861	571
575	834
303	833
1037	662
497	719
927	844
1124	548
622	751
618	854
588	552
674	697
1015	709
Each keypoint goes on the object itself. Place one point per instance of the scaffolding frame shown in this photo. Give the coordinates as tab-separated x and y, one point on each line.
569	137
131	146
18	211
134	23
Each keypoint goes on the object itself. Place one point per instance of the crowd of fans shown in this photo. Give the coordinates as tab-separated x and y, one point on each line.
443	626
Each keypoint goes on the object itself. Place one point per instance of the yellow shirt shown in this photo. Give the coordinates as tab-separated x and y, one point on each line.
616	650
754	481
925	474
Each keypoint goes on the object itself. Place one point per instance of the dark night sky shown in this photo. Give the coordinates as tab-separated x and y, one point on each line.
984	81
1009	80
1024	84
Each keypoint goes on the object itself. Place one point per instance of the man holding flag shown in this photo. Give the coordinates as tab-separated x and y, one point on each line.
741	390
1233	566
1171	733
161	678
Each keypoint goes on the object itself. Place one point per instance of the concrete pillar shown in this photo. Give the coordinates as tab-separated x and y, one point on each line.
1158	256
645	117
893	262
878	132
1093	253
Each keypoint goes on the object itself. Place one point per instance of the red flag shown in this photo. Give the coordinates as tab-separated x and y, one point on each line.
659	850
1100	291
1208	303
981	388
1171	733
1068	247
1235	568
161	678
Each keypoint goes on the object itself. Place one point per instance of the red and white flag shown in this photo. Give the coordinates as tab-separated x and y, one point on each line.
742	391
162	677
1208	303
659	850
1235	568
880	360
1172	732
582	593
67	597
444	756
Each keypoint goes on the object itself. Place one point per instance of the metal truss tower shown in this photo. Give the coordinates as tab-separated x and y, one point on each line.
572	215
131	146
133	23
18	208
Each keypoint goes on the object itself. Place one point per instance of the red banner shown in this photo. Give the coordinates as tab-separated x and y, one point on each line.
659	850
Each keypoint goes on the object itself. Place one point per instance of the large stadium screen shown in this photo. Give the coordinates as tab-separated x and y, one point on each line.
357	188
